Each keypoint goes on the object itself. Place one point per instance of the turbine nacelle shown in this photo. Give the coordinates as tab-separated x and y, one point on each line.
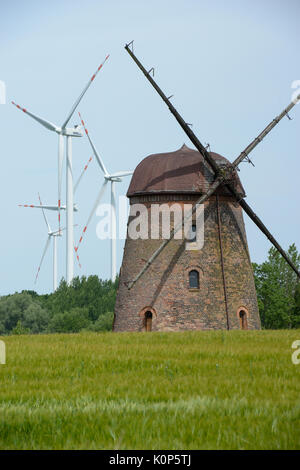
57	233
75	131
114	179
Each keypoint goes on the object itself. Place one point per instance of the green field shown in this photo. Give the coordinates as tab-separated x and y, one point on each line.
190	390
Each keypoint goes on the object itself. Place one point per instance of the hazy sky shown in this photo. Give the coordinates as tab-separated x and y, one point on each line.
230	65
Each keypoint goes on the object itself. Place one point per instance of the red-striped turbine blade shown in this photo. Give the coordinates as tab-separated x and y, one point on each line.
49	125
82	173
83	93
98	158
77	257
100	194
43	255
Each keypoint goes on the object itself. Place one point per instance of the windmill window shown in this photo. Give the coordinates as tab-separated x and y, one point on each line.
192	234
194	279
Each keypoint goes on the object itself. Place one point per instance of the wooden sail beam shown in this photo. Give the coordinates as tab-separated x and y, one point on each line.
222	176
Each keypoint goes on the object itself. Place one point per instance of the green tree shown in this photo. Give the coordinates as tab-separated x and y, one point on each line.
296	316
36	318
104	322
96	295
20	329
72	321
22	309
276	286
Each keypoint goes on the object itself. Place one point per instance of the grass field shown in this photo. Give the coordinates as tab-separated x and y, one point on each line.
190	390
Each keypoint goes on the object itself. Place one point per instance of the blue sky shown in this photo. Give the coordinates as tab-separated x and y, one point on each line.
230	66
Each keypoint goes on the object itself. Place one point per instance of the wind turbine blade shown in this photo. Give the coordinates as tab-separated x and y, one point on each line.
77	257
45	218
99	160
101	192
60	164
121	173
43	256
47	124
83	171
49	208
83	93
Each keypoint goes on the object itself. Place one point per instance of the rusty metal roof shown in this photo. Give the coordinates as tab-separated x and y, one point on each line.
182	171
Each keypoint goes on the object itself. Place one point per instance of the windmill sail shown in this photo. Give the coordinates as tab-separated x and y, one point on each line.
223	176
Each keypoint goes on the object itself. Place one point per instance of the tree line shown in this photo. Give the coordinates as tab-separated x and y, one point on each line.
278	290
88	303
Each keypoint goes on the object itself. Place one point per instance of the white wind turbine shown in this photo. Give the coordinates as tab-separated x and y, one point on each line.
57	232
113	178
51	234
67	132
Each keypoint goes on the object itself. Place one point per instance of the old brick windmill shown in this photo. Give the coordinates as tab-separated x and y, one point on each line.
165	285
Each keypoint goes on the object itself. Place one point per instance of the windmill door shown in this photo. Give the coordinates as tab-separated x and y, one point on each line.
148	321
243	320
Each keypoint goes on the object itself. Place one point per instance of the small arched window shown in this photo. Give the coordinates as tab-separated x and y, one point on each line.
192	235
194	279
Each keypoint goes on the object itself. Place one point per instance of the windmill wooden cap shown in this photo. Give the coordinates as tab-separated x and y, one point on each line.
182	171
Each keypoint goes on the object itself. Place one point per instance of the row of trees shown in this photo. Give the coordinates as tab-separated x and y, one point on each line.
88	304
278	290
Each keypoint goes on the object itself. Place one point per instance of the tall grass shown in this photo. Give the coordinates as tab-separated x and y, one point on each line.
190	390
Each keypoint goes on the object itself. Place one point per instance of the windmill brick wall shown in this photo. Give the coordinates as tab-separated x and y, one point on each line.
164	291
